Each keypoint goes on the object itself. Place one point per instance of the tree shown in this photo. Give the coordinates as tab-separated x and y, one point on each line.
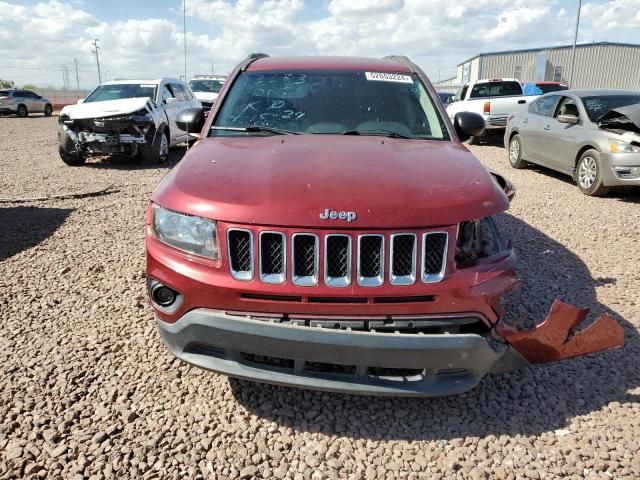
29	86
7	83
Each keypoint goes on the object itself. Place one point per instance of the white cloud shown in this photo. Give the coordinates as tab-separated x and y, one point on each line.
437	34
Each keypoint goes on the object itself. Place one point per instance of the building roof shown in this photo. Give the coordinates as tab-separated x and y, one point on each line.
328	63
556	47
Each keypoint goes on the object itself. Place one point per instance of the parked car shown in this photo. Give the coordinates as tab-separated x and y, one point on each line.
126	117
540	88
494	99
446	97
592	135
332	232
23	102
206	89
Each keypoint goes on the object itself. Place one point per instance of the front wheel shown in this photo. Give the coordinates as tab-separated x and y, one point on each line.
589	175
515	152
48	110
68	151
156	151
22	111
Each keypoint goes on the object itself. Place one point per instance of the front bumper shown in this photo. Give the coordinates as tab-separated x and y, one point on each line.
8	109
370	363
613	166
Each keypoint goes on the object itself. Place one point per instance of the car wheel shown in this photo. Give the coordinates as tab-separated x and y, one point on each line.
588	175
22	111
477	140
157	151
515	152
48	110
67	150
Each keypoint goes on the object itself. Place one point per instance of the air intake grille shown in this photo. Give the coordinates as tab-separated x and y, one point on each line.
272	257
370	260
338	255
241	254
305	259
434	256
403	255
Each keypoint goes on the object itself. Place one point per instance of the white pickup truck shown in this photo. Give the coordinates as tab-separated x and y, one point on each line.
494	99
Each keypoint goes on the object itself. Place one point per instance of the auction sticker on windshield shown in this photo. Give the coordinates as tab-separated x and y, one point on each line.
388	77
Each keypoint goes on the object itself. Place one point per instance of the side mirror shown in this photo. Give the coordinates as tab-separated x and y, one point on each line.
468	124
80	100
190	120
572	119
170	100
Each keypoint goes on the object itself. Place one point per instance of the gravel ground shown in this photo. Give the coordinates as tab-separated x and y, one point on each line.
88	390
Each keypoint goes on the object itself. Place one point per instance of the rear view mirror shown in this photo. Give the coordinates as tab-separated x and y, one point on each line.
572	119
190	120
468	124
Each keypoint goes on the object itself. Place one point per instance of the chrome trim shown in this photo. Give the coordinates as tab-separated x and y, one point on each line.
403	279
243	275
273	277
434	277
309	280
371	281
338	281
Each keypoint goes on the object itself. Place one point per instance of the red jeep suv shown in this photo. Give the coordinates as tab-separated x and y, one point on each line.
329	230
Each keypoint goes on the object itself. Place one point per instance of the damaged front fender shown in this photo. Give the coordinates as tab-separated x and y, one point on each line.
556	339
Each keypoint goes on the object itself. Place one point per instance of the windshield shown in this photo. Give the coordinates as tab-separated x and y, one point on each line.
331	102
551	87
122	90
211	86
598	106
4	93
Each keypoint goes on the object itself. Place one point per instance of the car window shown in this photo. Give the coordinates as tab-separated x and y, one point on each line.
544	106
210	86
567	106
5	93
117	91
187	92
332	102
178	92
485	89
596	106
511	88
551	87
462	92
167	93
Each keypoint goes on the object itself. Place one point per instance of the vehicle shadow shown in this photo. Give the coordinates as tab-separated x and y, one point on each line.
26	227
530	401
123	163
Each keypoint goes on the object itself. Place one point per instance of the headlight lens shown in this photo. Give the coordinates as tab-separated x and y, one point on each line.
186	232
618	146
478	239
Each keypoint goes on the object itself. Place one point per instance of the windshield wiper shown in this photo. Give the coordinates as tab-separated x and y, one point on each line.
255	129
383	133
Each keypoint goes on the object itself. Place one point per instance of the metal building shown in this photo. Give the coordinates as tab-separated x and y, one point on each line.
598	65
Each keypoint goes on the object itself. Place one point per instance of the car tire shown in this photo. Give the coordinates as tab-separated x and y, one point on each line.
22	111
157	151
515	152
48	110
478	139
589	174
67	150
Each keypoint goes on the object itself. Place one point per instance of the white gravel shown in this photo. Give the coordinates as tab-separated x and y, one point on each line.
88	390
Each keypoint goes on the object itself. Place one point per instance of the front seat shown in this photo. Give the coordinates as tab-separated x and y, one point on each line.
569	109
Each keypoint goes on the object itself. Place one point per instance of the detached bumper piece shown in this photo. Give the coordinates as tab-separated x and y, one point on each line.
556	338
356	362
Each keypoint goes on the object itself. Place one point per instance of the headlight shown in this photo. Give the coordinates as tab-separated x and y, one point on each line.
186	232
478	239
618	146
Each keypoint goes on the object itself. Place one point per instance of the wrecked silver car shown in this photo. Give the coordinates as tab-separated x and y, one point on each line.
592	135
134	118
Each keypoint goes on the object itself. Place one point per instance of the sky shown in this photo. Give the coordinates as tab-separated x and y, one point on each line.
39	40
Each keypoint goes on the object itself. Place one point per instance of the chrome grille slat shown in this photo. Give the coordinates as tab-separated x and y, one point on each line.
305	258
370	260
273	255
240	247
402	264
434	256
337	260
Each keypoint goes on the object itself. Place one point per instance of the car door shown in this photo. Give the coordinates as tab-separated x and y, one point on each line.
532	128
560	145
181	104
33	102
170	106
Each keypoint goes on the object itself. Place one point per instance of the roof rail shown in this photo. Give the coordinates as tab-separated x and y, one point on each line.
252	57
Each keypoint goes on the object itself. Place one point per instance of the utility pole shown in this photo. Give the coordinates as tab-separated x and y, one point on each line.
95	52
65	78
211	68
75	62
575	39
184	35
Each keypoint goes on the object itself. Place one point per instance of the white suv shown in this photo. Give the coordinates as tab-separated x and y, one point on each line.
131	117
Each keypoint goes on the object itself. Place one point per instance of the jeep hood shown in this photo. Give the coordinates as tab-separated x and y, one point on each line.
289	180
107	108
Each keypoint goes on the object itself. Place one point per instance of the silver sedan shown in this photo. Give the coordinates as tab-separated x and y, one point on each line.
592	135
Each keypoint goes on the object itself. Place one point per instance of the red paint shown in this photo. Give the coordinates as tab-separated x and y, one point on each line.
556	338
